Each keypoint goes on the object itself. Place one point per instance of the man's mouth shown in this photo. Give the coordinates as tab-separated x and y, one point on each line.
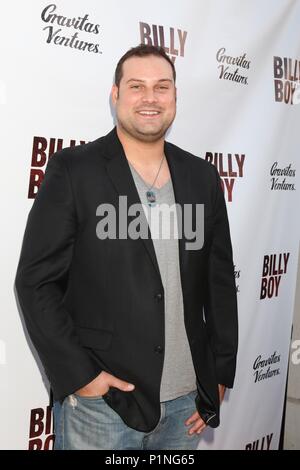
148	113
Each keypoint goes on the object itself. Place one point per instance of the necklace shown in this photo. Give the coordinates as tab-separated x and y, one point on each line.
150	194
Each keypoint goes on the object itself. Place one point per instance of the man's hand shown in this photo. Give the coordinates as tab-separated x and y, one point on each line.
197	421
101	384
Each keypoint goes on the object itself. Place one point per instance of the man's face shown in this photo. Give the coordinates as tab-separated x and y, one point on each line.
145	100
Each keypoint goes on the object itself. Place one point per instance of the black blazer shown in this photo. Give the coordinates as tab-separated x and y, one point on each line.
93	305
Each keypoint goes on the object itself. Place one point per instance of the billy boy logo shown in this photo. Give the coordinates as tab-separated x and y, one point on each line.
230	167
171	39
274	267
42	150
286	80
263	443
41	435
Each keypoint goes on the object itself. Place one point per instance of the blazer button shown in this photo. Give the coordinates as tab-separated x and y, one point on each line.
159	349
158	296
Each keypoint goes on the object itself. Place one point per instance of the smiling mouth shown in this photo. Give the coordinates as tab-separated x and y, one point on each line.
148	114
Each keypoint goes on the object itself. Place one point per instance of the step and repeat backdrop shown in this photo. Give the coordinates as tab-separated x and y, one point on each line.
238	67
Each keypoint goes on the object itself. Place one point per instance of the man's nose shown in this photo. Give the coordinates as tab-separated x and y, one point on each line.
149	95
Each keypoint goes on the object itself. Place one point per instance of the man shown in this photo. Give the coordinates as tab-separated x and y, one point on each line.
138	335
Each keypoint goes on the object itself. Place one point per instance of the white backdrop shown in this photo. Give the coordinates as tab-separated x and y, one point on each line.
228	111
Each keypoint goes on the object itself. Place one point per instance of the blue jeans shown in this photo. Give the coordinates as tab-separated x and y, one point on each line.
84	423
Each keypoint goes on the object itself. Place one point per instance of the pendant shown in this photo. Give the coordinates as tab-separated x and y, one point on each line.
151	198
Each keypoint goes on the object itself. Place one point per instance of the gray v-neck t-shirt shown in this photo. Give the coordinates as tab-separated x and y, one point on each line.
178	376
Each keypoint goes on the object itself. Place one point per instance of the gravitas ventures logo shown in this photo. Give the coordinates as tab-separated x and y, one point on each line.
233	68
64	31
266	367
279	183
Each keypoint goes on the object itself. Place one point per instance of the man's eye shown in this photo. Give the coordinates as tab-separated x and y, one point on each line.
163	87
135	86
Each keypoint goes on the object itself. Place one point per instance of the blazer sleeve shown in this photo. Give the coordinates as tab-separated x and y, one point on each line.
220	307
41	282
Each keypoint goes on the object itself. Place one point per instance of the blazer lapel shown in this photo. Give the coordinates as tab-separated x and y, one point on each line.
119	172
181	184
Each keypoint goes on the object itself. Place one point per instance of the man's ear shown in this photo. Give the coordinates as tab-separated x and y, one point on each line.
175	94
114	93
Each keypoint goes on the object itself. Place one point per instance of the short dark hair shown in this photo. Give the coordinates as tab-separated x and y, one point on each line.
143	50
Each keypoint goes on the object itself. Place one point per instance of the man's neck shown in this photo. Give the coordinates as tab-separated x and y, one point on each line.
143	153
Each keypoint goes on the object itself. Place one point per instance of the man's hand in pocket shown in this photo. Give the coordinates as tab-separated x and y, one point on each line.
102	383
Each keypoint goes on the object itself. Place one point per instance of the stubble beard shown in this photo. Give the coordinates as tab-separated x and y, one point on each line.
142	134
